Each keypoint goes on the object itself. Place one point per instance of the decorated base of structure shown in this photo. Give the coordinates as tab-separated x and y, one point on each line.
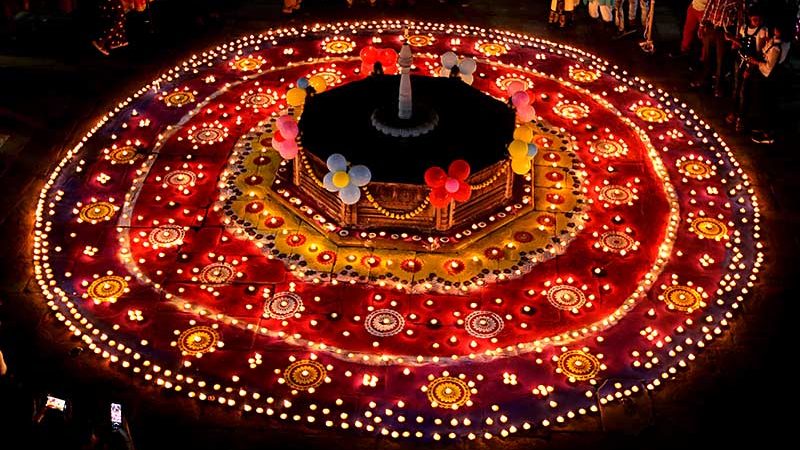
422	121
166	244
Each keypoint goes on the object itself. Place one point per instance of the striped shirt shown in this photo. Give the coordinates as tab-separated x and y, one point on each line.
722	13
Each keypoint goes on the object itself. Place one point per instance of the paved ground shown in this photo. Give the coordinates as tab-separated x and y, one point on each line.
54	83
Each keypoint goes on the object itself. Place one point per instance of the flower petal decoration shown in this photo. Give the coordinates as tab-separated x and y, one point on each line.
346	181
450	185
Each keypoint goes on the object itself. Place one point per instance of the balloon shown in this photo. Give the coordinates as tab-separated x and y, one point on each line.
327	182
435	177
449	60
451	185
340	179
360	175
523	133
296	96
318	83
468	79
467	66
520	166
532	150
520	98
336	162
463	193
388	57
302	83
518	149
526	113
439	197
515	86
289	151
444	72
369	54
287	126
350	195
458	169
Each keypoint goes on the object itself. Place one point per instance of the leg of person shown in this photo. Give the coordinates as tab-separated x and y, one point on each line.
762	108
742	97
645	6
605	13
632	4
593	8
619	15
690	27
720	47
706	59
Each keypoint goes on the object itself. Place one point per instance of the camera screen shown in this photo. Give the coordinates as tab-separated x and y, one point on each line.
56	403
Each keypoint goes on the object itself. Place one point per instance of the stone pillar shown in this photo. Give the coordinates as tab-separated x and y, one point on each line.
405	106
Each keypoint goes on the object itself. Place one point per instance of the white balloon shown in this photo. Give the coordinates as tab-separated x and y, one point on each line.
350	194
468	79
449	60
360	175
467	66
327	182
336	162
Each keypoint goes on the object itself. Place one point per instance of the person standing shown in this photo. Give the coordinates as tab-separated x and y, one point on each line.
694	14
762	85
719	22
750	41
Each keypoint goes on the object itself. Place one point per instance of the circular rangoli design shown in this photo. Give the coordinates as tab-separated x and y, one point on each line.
283	305
174	221
198	340
483	324
384	322
305	375
448	392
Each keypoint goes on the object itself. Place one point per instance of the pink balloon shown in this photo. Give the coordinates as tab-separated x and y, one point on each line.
289	151
451	185
520	98
526	113
515	86
287	126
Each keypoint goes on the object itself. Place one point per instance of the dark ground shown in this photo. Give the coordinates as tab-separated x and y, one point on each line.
53	83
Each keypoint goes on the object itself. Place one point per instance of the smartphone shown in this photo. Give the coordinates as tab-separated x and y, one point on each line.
55	403
116	416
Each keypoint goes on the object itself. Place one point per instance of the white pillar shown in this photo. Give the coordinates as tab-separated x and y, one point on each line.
405	105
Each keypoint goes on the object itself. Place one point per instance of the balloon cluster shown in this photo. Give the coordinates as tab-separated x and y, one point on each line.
284	140
371	55
297	95
521	101
346	181
465	67
450	185
522	149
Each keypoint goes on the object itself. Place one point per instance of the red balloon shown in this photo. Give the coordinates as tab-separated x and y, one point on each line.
459	169
435	177
388	57
439	197
463	193
369	54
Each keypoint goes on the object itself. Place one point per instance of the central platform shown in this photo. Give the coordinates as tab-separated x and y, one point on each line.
471	125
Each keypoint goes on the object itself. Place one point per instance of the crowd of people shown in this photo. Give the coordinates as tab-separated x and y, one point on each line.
736	47
743	52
